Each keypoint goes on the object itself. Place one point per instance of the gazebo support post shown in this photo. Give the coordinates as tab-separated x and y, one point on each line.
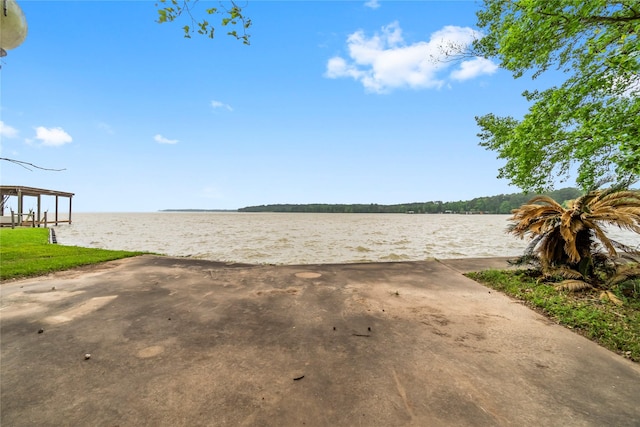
39	211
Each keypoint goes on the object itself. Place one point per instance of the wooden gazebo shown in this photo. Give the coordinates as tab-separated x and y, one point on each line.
33	219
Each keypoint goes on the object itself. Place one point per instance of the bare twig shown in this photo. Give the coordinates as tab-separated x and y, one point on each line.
27	164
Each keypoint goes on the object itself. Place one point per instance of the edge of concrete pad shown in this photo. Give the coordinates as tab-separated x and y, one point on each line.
461	265
467	265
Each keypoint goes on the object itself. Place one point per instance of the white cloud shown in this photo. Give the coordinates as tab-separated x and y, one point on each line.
53	137
218	104
373	4
384	61
7	131
474	68
162	140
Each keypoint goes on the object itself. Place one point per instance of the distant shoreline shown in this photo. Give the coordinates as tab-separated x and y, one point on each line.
500	204
198	210
322	212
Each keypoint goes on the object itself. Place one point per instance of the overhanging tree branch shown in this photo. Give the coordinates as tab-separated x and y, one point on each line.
28	165
170	10
591	120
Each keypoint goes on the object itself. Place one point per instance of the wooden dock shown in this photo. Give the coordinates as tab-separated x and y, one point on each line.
31	218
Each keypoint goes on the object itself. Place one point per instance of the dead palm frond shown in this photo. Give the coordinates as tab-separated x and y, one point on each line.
565	273
608	295
573	285
628	255
623	273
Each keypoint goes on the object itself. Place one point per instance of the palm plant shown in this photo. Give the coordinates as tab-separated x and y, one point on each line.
572	239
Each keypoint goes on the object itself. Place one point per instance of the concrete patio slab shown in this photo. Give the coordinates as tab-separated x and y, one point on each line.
172	341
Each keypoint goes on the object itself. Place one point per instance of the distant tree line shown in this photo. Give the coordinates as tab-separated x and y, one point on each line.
501	204
198	210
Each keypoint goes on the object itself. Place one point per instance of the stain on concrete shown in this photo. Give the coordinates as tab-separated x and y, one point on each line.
150	351
308	275
81	310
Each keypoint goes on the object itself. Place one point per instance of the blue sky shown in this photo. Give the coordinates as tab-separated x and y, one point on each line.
333	102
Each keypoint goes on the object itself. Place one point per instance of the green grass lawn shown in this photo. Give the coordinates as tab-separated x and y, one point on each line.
26	252
616	327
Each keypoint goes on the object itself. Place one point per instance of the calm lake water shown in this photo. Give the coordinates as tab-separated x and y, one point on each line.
306	238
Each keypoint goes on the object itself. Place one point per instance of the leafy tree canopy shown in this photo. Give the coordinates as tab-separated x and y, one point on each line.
231	12
590	123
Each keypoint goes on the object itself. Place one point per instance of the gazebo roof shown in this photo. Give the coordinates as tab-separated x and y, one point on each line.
13	190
